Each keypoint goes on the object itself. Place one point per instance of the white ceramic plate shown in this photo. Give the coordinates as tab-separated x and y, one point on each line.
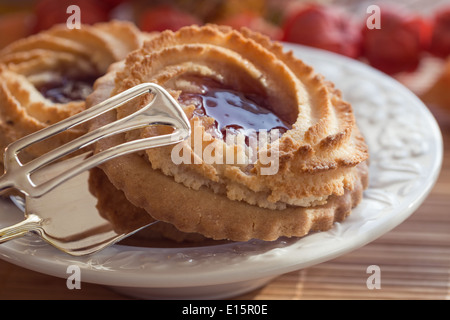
406	154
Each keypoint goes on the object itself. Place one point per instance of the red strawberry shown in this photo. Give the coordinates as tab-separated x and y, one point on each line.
324	27
399	43
440	40
165	18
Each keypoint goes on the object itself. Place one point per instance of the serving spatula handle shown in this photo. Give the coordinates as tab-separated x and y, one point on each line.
32	222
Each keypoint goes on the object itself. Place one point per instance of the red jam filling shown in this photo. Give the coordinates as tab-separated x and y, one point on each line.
68	89
234	112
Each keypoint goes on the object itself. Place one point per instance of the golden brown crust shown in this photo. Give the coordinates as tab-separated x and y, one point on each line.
45	58
114	206
125	217
321	158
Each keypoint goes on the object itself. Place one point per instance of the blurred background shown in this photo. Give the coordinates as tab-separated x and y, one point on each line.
409	30
411	44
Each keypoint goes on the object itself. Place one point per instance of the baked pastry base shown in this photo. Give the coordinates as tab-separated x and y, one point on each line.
115	207
125	217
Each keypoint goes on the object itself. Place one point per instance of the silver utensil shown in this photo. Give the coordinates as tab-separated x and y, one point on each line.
67	216
52	209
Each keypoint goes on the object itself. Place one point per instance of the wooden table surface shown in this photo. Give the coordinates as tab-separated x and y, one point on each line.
414	261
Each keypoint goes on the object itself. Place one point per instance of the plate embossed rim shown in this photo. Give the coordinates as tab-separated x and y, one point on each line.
406	154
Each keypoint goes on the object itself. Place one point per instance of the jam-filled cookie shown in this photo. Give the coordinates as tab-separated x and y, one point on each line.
46	77
274	149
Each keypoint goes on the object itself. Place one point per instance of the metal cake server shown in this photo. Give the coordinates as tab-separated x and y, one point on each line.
56	208
66	216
